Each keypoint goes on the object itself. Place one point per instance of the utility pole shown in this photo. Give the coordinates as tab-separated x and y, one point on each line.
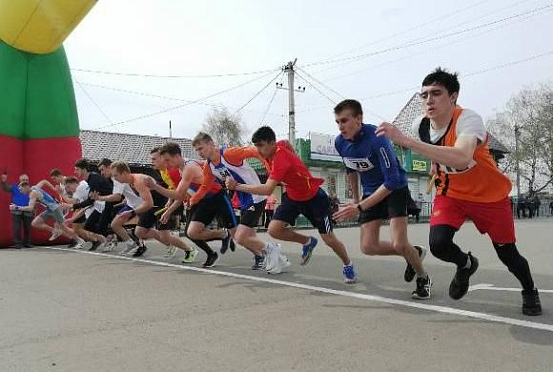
517	159
289	69
170	130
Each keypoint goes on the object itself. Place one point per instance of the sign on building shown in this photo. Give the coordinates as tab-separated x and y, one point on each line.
322	147
419	166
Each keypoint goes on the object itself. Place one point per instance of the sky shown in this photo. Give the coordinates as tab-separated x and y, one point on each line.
376	52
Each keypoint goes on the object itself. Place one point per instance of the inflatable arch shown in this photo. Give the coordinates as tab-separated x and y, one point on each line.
39	126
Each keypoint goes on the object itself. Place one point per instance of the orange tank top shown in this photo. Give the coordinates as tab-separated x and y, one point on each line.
481	181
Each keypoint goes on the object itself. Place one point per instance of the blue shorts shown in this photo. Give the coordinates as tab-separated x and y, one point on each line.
126	208
316	210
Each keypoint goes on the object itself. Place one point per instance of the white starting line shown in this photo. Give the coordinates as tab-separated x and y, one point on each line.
491	287
361	296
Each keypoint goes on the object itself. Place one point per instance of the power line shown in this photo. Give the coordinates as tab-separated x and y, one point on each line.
270	102
258	93
412	55
183	105
116	73
94	103
333	102
468	75
126	91
428	40
320	83
417	26
317	89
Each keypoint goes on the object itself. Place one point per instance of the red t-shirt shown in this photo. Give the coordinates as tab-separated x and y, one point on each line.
286	167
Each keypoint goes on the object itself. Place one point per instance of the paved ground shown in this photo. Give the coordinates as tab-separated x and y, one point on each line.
74	311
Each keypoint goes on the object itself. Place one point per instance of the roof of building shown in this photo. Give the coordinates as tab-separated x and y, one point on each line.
413	109
130	148
135	149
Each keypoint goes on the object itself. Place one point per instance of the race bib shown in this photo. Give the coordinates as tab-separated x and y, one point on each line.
359	164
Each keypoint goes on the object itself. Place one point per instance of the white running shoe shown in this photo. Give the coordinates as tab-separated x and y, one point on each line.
80	243
272	253
55	234
130	246
277	261
108	247
283	262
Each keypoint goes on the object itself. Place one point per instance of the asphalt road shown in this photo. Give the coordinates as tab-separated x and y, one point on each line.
77	311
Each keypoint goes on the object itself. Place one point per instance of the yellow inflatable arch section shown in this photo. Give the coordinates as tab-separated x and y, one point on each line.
40	26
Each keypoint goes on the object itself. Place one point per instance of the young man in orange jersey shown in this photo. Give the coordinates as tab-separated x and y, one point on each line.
468	185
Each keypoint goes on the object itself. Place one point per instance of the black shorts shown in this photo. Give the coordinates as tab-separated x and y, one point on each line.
149	220
394	205
80	220
250	217
92	222
217	206
316	210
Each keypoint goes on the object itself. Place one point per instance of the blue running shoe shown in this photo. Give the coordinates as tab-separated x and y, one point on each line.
307	250
349	274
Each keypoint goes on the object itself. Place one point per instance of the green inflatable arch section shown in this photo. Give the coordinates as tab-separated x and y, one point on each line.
37	99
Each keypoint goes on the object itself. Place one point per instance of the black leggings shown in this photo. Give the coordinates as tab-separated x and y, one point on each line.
443	247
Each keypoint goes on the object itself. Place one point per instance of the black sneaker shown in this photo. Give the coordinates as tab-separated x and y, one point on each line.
225	243
72	244
409	274
232	245
210	262
28	245
95	245
259	261
531	304
140	251
424	285
460	284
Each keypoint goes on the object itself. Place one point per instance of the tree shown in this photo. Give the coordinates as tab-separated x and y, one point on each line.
225	128
529	116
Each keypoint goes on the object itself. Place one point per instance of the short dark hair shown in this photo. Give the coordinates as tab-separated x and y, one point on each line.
264	133
121	167
55	172
71	179
349	104
155	149
444	78
105	162
83	164
201	137
170	148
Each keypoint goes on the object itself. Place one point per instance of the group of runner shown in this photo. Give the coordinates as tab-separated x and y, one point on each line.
468	186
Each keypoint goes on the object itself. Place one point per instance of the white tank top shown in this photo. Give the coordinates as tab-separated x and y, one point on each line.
242	174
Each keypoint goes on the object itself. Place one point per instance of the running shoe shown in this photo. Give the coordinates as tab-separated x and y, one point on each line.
424	287
307	250
349	274
190	256
531	304
55	234
171	251
259	262
460	284
211	259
